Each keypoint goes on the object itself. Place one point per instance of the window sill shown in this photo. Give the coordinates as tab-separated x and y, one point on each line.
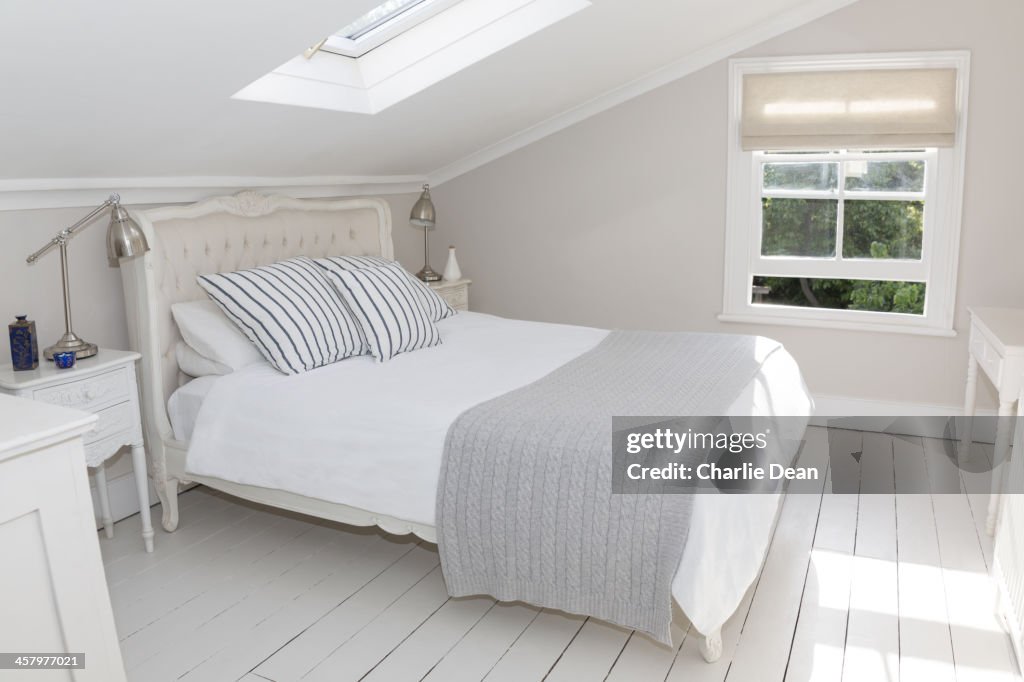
849	325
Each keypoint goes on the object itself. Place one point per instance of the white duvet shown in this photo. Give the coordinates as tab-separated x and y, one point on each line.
371	435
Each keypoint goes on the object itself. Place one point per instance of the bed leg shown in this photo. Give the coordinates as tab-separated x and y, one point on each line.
167	491
711	646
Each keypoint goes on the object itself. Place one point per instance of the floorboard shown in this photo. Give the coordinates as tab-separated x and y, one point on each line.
536	651
926	645
591	654
873	636
865	584
382	635
765	641
820	638
491	638
320	639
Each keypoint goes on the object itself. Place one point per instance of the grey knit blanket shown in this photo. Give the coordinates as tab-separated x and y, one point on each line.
525	510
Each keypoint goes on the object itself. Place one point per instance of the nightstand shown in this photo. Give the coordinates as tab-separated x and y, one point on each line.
997	346
106	386
455	293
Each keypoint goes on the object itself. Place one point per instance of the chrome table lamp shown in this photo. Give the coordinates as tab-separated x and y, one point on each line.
423	215
124	240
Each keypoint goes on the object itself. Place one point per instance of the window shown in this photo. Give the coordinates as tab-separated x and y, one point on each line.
844	191
376	17
401	48
828	218
381	24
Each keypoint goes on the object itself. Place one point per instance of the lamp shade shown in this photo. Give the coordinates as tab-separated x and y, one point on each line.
124	237
423	214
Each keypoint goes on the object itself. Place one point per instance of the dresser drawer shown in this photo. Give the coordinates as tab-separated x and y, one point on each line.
88	394
119	419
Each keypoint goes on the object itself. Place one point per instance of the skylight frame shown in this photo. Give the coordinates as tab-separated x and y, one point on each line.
465	33
386	29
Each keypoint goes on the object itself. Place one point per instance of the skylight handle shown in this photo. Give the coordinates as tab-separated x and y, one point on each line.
310	51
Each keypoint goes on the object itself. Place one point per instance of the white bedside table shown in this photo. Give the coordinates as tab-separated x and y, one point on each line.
105	385
455	293
997	346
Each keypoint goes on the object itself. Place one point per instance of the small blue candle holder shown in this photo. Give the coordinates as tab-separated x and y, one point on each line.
64	359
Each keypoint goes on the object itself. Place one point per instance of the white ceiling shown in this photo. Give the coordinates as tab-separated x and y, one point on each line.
123	88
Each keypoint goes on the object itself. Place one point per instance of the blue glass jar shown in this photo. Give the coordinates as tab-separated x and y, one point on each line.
64	360
24	344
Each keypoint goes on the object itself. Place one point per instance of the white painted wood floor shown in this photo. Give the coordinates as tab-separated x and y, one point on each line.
854	588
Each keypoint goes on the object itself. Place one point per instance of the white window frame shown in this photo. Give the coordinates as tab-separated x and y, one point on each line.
942	215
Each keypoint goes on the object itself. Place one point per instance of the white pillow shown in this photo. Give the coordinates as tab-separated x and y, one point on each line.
290	311
435	306
195	365
213	336
387	308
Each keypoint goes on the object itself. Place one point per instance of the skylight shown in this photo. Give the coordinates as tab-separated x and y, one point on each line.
378	16
381	24
402	47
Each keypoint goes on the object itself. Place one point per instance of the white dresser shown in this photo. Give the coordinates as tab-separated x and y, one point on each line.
105	385
52	587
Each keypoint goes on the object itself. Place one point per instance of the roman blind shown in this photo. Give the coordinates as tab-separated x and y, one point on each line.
860	109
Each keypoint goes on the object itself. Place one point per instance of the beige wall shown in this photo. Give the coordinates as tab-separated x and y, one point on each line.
97	297
619	220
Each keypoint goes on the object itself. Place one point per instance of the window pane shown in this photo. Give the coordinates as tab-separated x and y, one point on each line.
885	176
841	294
377	16
798	227
800	175
882	229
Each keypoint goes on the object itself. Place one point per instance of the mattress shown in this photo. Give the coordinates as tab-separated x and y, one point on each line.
371	436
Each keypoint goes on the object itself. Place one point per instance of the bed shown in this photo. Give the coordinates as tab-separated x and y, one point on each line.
403	408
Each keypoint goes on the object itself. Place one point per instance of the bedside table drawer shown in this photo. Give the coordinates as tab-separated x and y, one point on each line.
98	451
457	297
119	419
88	394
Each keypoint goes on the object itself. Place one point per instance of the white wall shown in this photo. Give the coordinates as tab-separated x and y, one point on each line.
619	220
97	297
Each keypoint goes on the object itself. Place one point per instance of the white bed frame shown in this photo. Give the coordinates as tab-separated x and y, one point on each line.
223	234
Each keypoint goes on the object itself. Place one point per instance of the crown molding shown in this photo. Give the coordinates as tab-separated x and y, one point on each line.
694	61
40	193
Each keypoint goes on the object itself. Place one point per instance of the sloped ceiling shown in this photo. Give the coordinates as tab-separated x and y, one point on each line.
123	88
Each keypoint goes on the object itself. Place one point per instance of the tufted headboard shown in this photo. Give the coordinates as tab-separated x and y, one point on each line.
220	235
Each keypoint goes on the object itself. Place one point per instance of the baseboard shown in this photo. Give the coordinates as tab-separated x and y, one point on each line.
915	419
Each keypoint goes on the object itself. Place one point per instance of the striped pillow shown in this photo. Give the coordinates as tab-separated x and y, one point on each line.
435	306
290	311
386	305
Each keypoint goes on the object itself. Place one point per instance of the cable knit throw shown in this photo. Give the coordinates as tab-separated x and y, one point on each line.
525	510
